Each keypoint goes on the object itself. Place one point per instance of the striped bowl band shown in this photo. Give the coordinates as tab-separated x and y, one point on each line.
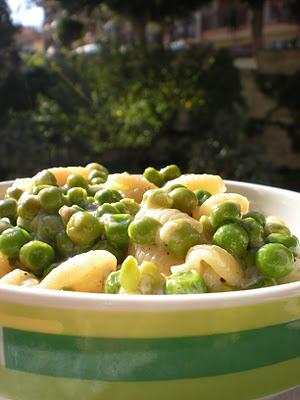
234	353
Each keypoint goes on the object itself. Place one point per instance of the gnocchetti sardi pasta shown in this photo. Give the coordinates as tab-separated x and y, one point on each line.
83	229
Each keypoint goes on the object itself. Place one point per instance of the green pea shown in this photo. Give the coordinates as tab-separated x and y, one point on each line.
8	208
175	186
76	180
116	228
144	230
12	240
107	196
154	176
29	207
14	192
274	260
151	281
159	198
262	282
51	199
224	213
189	282
130	275
250	258
271	227
96	166
120	252
131	206
4	224
90	199
183	200
98	181
32	224
25	224
83	228
112	284
77	195
64	245
170	172
79	249
76	208
106	208
179	236
202	196
291	242
97	174
49	269
267	282
120	207
233	238
208	230
255	232
259	217
64	189
93	189
37	256
48	227
36	189
45	177
66	201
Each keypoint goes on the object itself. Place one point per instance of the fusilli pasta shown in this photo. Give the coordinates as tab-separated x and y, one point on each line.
207	206
219	260
211	183
131	186
85	272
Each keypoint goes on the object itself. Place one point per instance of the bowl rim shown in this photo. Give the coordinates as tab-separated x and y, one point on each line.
150	303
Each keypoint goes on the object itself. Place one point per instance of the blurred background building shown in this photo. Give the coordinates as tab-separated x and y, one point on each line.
223	23
228	24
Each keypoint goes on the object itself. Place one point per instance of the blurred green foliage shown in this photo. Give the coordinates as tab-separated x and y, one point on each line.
130	109
284	90
69	29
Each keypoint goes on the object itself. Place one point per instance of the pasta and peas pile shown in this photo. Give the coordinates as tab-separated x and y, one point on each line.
83	229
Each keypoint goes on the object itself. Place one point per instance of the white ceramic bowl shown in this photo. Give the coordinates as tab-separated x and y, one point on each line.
233	346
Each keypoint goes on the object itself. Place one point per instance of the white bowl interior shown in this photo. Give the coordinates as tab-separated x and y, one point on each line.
271	201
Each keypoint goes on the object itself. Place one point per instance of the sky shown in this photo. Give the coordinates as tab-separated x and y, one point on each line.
25	14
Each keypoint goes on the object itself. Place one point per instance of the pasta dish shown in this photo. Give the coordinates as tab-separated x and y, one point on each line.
84	229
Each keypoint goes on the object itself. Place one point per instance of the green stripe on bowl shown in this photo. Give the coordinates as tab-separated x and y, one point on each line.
2	360
247	385
127	324
150	359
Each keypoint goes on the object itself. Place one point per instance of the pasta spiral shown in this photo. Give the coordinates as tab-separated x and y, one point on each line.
61	173
271	219
19	277
211	183
164	215
5	268
156	254
131	186
207	206
84	272
224	265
